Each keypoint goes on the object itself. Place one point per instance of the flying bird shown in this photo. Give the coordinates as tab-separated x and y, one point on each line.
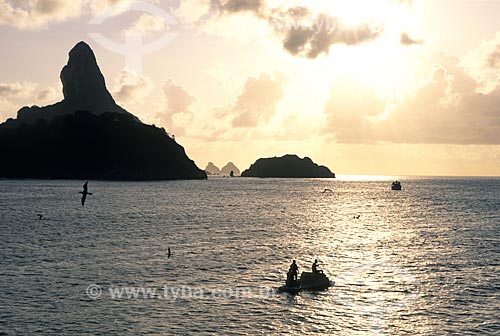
40	216
327	190
168	253
84	192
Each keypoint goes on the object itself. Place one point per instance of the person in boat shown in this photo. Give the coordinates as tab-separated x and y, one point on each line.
291	276
294	270
314	267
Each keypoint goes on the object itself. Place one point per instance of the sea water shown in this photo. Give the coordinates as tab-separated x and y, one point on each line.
421	261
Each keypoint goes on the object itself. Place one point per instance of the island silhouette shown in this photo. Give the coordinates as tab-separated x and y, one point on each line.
212	169
288	166
229	169
88	136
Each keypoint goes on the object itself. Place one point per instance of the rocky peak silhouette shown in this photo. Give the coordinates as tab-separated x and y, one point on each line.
84	89
88	136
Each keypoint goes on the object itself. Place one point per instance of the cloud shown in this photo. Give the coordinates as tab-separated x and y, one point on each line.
49	95
237	6
147	24
7	110
176	113
483	64
257	102
446	108
490	51
17	90
493	60
407	2
13	95
308	35
349	110
406	40
38	14
303	32
253	106
311	42
131	88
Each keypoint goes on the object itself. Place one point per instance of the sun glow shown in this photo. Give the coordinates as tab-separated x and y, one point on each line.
357	11
382	63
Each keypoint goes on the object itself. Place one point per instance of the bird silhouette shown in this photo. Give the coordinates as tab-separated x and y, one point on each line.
327	190
40	216
168	253
84	193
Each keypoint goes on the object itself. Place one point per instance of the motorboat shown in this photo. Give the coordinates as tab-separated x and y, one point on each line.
396	185
313	281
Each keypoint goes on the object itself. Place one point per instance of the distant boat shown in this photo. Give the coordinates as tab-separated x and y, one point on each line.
396	185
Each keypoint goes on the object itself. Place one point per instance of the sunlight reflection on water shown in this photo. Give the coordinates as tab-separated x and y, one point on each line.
420	261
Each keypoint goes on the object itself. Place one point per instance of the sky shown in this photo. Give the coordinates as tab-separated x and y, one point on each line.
383	87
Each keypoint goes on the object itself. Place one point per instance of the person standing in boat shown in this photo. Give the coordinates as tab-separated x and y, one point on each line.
293	272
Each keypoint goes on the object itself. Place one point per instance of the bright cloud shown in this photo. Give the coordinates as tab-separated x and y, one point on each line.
303	32
257	103
176	113
14	95
38	14
131	88
147	24
445	109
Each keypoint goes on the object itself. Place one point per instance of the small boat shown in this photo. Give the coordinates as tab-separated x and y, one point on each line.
396	185
308	281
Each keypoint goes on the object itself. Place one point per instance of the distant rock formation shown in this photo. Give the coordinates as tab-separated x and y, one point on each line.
230	167
288	166
88	136
212	169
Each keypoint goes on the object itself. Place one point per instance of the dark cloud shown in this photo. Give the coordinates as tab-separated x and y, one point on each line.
9	90
302	32
237	6
310	42
311	38
445	109
16	90
406	40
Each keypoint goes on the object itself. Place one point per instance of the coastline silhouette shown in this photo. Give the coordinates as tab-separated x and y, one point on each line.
122	146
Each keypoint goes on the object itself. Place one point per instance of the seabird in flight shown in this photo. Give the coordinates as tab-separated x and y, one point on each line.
327	190
84	193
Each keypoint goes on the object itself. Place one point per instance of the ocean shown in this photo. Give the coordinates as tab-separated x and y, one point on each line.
421	261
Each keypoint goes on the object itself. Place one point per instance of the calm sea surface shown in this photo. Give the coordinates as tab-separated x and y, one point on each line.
422	261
